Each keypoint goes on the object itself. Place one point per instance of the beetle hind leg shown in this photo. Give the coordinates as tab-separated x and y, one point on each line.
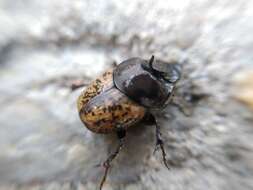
111	157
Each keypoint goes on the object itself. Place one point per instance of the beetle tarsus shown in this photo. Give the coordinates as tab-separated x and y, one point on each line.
150	119
107	163
159	143
163	155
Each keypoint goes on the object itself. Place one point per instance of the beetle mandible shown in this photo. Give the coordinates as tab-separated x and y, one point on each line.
126	95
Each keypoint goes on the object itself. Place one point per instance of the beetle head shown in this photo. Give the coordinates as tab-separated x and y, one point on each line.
169	72
149	83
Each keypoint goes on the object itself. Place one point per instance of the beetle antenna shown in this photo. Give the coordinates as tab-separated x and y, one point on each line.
151	61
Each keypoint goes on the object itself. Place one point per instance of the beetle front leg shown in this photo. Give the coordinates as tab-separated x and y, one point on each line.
107	164
159	142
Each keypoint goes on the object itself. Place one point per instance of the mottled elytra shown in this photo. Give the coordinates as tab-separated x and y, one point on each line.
126	95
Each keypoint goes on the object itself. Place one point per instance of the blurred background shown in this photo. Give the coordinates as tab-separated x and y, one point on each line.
46	45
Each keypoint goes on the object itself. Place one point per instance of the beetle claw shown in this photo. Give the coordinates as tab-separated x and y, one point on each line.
164	157
104	176
107	163
159	145
156	148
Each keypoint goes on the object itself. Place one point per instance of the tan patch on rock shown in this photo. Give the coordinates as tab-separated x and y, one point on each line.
244	88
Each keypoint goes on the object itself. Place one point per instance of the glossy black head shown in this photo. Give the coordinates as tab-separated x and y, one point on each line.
169	72
148	82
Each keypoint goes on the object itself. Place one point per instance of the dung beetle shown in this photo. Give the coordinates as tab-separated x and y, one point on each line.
126	95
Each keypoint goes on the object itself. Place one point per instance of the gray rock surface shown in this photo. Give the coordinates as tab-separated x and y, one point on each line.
45	45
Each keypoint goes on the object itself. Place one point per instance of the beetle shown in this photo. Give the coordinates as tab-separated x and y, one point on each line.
126	95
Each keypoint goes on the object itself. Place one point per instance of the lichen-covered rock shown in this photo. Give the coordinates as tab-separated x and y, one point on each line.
45	45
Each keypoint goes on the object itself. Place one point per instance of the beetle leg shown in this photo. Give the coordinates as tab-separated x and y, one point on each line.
77	84
159	142
107	164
